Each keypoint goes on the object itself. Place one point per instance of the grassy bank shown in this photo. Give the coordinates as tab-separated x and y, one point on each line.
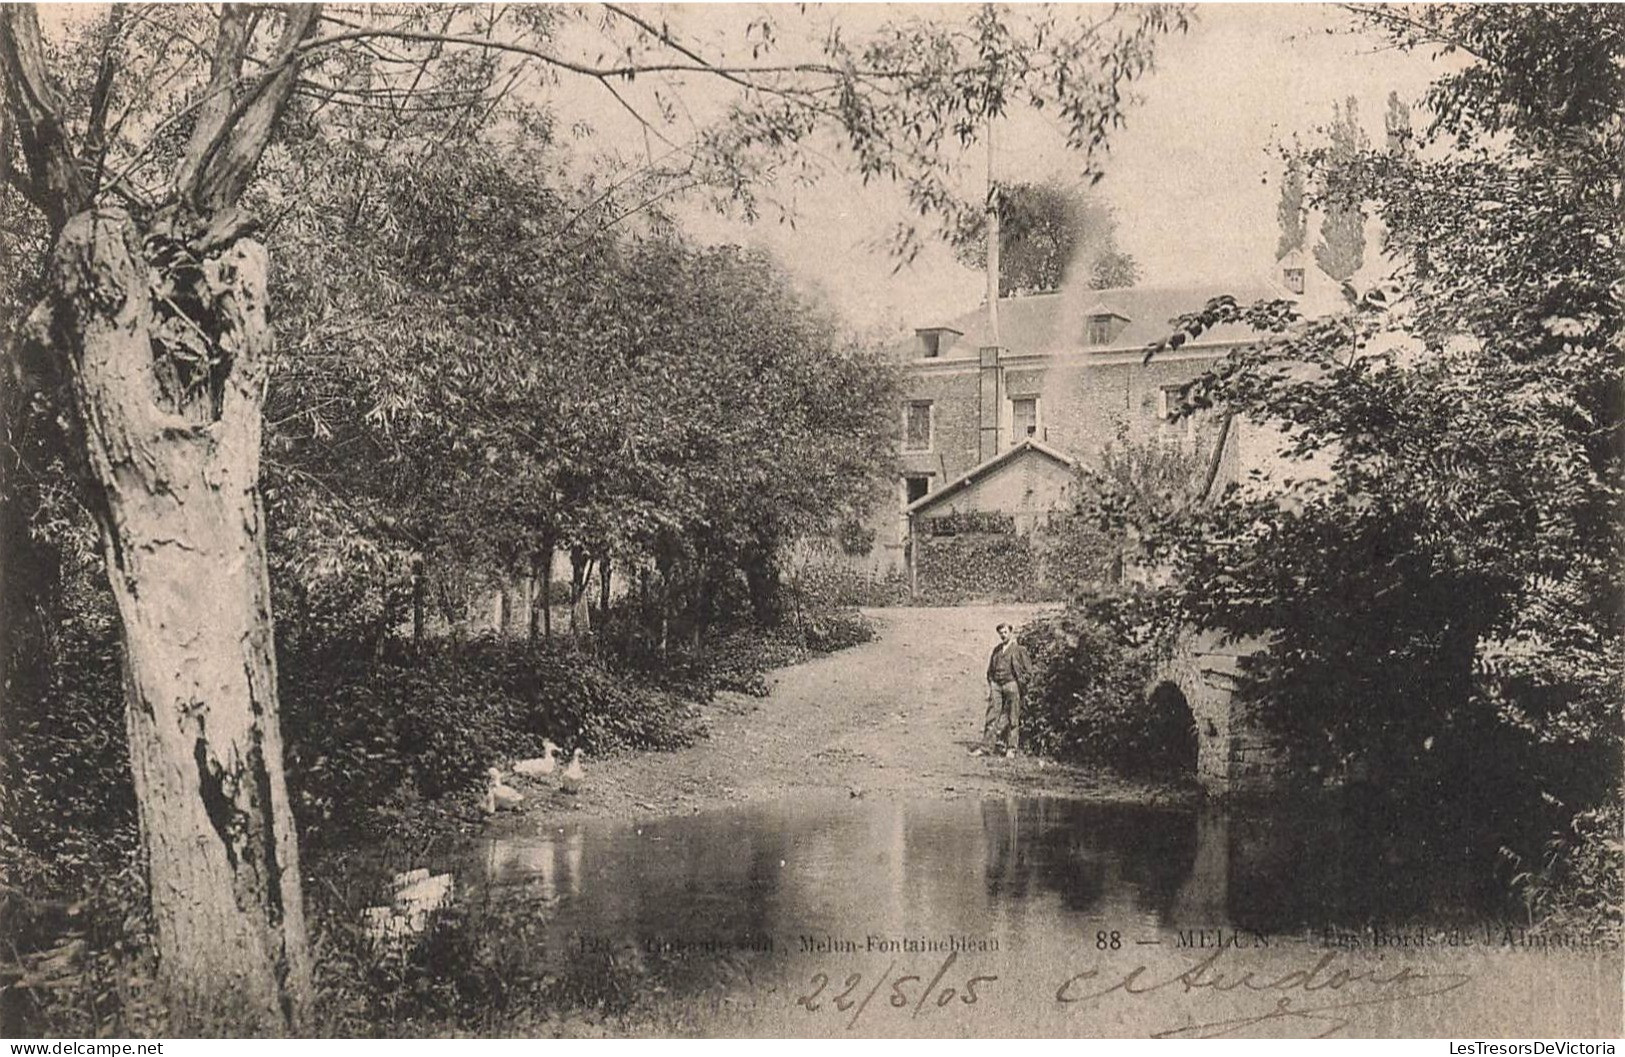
386	749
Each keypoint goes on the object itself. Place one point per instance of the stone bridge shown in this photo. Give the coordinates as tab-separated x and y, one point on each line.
1234	753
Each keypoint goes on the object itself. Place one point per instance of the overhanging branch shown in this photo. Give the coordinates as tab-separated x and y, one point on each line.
54	183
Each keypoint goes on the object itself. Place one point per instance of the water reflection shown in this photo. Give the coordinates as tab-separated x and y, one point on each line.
715	898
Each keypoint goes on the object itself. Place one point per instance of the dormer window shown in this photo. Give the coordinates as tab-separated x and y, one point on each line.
1102	325
935	341
1293	277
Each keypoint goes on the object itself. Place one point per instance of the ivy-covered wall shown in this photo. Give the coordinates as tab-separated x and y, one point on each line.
971	566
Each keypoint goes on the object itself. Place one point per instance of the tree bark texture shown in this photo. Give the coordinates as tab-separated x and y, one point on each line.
546	562
580	576
420	603
164	331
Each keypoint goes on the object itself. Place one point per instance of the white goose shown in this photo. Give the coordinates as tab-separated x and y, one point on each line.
500	797
538	766
570	781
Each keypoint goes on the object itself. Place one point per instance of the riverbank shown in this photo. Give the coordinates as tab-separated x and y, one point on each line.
896	718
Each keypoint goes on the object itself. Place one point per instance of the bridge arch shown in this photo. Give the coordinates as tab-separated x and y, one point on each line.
1234	752
1175	733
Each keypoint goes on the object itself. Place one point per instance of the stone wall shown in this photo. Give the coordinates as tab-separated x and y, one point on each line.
1235	752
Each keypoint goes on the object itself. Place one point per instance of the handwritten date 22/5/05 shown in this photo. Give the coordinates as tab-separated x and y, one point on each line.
902	990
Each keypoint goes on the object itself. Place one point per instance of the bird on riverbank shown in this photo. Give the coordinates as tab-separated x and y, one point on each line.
538	766
570	781
500	796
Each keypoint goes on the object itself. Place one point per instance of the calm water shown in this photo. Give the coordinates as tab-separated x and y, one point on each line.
981	866
770	913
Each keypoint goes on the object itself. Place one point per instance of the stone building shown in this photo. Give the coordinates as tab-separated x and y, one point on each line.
994	425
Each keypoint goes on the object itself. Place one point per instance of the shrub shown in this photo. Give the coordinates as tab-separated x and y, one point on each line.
837	630
361	731
65	786
1088	703
834	585
1579	888
78	960
855	538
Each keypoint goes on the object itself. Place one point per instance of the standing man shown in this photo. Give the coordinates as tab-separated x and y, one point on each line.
1008	672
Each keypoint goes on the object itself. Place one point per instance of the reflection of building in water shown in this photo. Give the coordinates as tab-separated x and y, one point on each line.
572	850
548	865
1203	898
1006	857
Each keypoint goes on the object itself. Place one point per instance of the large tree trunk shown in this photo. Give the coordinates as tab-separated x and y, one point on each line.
165	336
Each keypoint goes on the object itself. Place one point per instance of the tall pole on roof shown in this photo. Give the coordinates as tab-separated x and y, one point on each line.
992	241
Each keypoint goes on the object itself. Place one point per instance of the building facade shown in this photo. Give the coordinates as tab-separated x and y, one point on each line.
992	423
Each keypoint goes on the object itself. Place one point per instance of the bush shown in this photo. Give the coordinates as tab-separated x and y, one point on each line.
78	960
363	731
1088	700
838	630
1579	889
65	786
835	585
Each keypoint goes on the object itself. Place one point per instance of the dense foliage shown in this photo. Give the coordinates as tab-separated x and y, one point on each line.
492	349
1102	540
1445	608
982	567
678	413
1047	234
1088	698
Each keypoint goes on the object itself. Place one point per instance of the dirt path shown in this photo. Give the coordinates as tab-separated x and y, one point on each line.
895	717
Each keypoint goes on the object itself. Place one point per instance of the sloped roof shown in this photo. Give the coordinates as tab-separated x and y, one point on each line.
1056	322
981	470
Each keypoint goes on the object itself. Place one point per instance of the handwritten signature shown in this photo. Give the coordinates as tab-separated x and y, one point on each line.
1301	995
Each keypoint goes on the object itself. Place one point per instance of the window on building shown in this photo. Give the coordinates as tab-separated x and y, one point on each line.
917	426
1169	401
1294	279
1023	418
1100	330
918	485
935	341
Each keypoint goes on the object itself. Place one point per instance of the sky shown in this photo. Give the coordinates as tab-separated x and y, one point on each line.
1193	176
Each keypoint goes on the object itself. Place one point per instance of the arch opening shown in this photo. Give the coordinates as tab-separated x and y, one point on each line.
1171	731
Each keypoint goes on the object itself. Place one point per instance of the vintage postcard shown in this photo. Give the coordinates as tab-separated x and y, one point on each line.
885	520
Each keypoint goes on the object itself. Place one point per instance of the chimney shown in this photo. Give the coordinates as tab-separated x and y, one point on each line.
990	380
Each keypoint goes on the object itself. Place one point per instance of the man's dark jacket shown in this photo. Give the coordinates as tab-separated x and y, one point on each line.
1020	665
